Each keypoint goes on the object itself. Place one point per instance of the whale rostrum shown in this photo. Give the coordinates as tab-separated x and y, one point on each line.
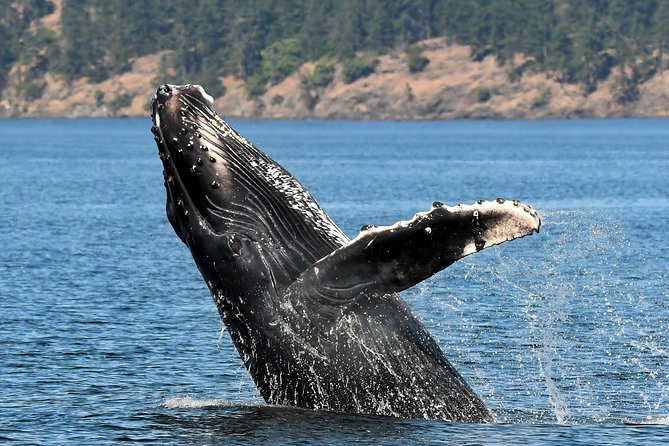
316	317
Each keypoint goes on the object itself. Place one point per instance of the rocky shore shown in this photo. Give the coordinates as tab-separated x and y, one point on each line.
451	86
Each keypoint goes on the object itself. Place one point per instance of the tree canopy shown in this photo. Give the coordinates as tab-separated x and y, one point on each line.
577	41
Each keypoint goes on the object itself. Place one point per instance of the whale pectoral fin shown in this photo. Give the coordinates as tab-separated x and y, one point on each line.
389	259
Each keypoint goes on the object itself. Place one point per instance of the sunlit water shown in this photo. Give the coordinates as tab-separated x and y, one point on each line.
108	333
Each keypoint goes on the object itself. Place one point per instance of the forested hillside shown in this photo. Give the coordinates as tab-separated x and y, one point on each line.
577	42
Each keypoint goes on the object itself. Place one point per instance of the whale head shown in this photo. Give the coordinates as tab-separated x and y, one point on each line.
244	218
190	171
196	149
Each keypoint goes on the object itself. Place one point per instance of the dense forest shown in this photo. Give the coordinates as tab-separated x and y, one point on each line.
262	41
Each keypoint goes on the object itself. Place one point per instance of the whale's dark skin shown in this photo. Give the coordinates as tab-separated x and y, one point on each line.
316	317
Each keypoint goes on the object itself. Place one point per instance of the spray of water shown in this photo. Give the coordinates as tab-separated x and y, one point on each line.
595	339
189	402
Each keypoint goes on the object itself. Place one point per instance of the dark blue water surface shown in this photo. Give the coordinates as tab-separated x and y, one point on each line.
108	333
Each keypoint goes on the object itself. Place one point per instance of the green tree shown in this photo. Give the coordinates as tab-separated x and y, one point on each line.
381	33
322	75
281	58
537	36
76	47
247	39
415	58
314	33
560	60
358	67
414	20
661	31
348	32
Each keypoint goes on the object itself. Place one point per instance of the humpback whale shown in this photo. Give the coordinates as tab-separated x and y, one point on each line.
316	317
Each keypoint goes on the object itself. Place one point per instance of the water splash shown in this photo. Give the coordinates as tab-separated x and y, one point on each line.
601	326
663	421
547	320
189	402
545	358
569	324
650	421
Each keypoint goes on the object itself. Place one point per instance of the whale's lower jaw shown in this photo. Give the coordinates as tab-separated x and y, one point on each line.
315	316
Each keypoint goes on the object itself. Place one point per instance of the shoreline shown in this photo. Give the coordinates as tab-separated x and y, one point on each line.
448	88
314	119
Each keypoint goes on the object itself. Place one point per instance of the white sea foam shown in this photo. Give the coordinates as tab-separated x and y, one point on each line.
663	420
189	402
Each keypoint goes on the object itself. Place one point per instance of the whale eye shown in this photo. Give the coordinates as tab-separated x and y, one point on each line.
164	90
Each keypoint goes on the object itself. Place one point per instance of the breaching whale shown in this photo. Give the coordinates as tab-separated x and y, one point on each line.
316	317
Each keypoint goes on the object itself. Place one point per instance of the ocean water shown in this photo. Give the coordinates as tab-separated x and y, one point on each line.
108	333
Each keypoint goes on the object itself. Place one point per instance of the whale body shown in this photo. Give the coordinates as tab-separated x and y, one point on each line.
316	317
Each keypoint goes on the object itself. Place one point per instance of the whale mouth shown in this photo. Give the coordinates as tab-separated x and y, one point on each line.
180	116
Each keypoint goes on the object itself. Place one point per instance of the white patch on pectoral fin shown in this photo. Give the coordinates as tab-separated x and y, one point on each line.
492	222
498	221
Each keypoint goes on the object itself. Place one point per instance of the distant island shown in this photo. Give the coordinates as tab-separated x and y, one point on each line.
346	59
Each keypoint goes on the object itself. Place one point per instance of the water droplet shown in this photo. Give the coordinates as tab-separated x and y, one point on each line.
516	203
199	161
215	184
366	227
189	146
428	230
157	138
182	113
204	148
501	200
175	140
183	131
212	159
160	106
198	135
479	201
437	204
154	129
193	168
